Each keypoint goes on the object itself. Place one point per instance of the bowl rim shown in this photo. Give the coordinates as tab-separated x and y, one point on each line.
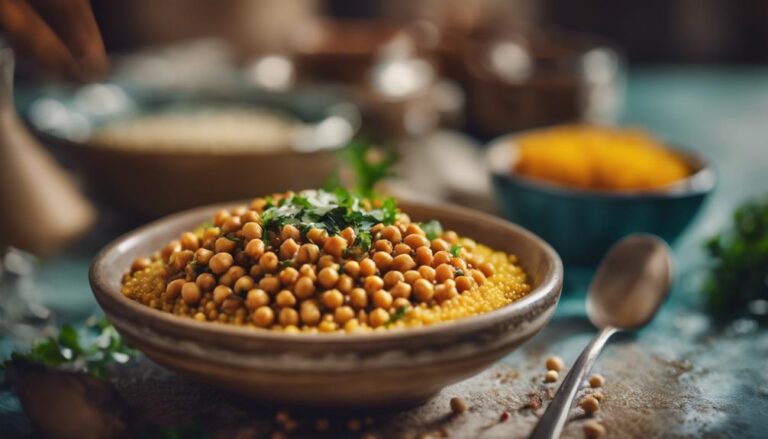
550	287
701	182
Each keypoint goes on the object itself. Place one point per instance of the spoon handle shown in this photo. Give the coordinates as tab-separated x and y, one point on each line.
551	424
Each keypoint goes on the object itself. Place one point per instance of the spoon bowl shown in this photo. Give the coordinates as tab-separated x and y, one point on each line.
631	283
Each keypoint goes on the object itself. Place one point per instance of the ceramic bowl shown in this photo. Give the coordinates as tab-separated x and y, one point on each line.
150	182
583	224
390	369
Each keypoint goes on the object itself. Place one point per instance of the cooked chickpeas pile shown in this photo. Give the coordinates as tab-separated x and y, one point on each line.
275	264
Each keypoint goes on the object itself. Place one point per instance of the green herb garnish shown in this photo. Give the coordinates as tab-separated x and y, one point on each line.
233	238
370	164
91	352
398	315
432	228
455	250
458	272
739	259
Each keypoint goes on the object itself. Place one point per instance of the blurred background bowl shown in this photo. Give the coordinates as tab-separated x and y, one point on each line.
583	224
139	170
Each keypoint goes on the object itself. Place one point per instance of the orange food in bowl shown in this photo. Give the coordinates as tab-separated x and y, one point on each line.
602	158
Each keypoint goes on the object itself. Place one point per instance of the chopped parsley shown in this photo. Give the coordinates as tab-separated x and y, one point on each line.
432	228
398	315
455	250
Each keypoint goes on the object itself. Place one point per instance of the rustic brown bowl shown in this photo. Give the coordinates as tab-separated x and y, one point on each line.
397	368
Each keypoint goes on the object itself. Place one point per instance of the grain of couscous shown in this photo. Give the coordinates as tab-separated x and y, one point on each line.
322	262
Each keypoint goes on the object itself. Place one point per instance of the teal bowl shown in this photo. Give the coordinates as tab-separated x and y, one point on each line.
583	224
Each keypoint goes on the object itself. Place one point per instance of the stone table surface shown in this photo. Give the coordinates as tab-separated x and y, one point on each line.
682	376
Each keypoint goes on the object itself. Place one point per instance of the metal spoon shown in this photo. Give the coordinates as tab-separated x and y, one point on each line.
630	284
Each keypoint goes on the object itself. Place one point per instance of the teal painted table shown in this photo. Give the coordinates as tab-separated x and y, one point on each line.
680	377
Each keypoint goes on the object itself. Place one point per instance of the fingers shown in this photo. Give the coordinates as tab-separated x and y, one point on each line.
75	24
31	36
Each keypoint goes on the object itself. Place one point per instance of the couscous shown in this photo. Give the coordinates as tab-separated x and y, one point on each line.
324	262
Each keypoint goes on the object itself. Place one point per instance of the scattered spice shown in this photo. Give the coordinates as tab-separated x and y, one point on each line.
589	404
555	363
458	405
593	429
551	376
596	380
534	401
504	416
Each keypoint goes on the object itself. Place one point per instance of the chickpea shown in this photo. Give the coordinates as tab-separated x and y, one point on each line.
256	298
327	261
478	276
551	376
383	245
349	235
288	249
328	277
211	233
487	269
255	248
243	284
317	236
378	317
401	303
554	363
424	256
413	229
251	231
190	293
382	260
268	262
392	234
411	276
220	217
440	245
345	284
263	317
327	326
589	404
236	272
376	229
352	325
596	380
288	276
392	278
445	292
423	290
289	231
250	217
401	290
335	245
308	254
358	298
289	316
352	269
459	263
343	314
441	257
304	287
443	272
231	304
220	293
200	317
427	273
173	289
450	237
310	313
203	256
231	225
333	299
206	282
270	284
178	261
307	270
372	284
402	249
382	299
416	241
285	299
593	429
140	264
367	267
189	241
220	263
403	263
463	283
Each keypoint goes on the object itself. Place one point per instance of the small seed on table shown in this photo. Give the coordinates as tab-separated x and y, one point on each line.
589	404
593	429
551	376
596	380
555	363
458	405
